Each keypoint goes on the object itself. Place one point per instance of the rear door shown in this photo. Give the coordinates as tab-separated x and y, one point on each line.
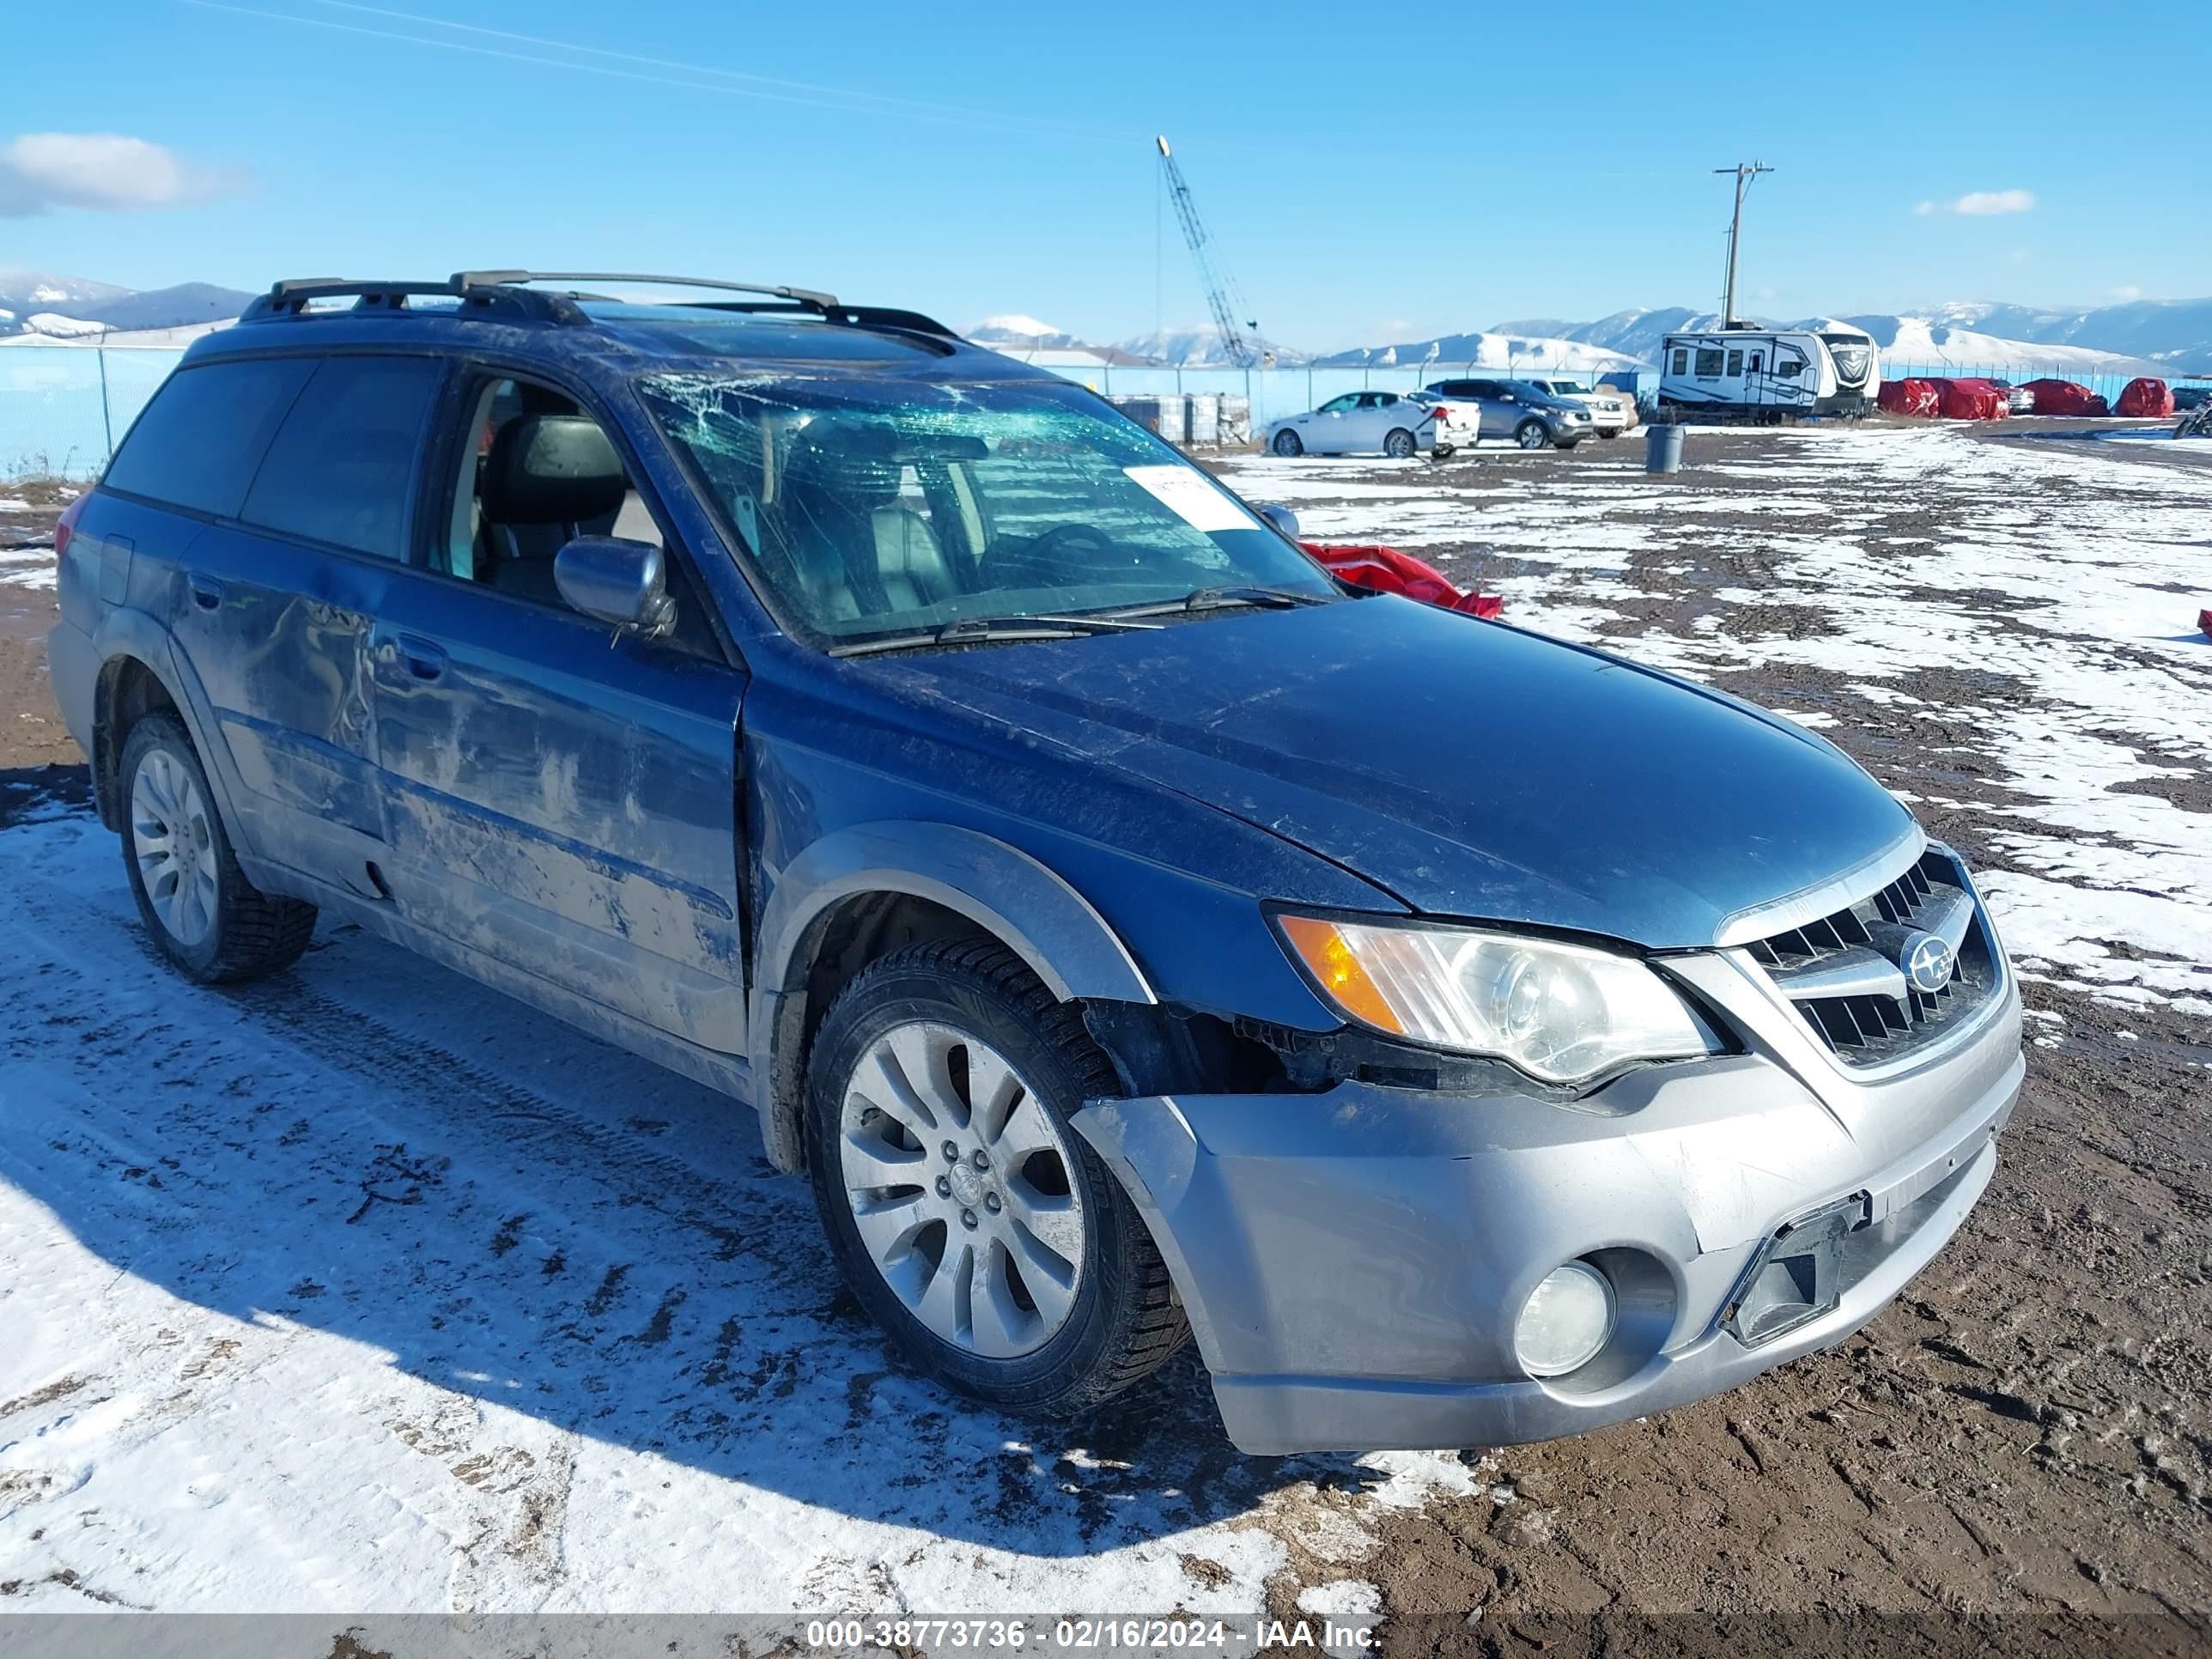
269	601
558	798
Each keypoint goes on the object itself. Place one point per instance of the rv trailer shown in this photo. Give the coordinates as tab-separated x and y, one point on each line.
1745	373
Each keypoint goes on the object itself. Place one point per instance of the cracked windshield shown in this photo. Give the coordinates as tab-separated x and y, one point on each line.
888	510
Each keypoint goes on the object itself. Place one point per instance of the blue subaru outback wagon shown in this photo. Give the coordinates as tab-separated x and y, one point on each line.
1132	933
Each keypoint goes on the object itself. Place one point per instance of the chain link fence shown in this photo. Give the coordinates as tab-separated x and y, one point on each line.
63	409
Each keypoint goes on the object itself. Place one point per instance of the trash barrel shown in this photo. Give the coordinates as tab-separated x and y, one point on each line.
1662	448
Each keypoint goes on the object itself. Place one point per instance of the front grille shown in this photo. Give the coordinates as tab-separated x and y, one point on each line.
1846	973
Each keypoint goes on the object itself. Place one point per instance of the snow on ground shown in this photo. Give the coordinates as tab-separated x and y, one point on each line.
368	1289
2075	572
27	566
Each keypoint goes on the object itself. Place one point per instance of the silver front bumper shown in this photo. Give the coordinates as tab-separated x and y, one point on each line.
1353	1262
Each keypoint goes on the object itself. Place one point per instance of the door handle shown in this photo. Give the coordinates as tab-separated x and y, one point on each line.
207	592
425	660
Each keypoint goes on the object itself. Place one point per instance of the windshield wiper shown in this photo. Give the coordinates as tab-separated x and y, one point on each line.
972	630
1215	599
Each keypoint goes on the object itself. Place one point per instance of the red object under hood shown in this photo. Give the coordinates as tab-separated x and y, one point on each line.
1387	570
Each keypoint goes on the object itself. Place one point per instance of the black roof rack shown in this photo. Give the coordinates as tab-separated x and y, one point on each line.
812	299
292	296
506	293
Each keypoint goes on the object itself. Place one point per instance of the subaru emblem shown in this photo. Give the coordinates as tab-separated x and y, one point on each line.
1927	961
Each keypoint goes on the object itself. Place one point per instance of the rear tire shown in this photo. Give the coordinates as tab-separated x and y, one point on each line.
206	918
1615	433
1398	444
1286	444
1531	434
966	1214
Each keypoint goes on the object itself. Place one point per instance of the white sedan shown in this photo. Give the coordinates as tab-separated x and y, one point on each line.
1396	423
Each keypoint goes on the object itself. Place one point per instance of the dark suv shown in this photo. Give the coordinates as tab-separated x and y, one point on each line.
1132	931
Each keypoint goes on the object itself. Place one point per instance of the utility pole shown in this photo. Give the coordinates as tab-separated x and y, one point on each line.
1745	173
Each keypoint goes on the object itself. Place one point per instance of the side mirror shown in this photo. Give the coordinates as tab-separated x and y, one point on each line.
617	581
1281	517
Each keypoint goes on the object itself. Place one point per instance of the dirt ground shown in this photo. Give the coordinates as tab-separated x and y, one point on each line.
2018	1452
31	732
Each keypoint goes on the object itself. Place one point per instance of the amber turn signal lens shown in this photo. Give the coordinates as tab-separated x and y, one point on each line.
1330	960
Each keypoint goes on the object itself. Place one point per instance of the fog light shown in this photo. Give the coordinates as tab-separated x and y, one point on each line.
1565	1321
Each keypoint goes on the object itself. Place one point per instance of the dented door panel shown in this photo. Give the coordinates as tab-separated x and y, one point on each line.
564	802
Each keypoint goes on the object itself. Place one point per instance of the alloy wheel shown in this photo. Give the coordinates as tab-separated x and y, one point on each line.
173	838
961	1185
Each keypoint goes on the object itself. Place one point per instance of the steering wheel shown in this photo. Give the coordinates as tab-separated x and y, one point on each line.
1059	532
1013	562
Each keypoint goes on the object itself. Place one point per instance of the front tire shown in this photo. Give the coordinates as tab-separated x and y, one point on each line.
964	1211
1286	444
1398	444
1531	434
204	915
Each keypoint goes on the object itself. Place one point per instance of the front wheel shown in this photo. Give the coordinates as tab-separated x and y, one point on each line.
1531	434
965	1213
1286	443
1398	444
202	913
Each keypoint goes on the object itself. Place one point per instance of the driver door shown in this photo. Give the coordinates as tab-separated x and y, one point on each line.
1335	426
556	798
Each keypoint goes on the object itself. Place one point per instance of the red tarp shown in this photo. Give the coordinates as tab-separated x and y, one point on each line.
1387	570
1972	400
2204	623
2145	396
1917	398
2065	397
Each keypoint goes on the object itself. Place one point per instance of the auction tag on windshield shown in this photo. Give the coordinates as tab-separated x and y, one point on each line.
1187	495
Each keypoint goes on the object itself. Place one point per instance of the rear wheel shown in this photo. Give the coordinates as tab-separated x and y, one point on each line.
969	1217
202	913
1398	444
1286	443
1531	434
1611	431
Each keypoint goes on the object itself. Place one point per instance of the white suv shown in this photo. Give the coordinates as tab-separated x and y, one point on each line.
1611	412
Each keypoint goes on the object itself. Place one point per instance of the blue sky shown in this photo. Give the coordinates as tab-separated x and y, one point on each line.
1369	173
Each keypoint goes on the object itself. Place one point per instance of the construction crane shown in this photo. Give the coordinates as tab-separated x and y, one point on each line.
1242	343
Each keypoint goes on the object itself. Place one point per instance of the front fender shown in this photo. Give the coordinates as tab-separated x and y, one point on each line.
1034	911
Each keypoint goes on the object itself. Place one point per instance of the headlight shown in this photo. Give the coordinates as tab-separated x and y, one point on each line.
1561	1012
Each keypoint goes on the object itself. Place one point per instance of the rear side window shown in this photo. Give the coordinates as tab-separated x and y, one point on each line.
197	443
339	469
1710	359
1681	360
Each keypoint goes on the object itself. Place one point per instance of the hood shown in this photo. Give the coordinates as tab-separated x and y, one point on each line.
1470	770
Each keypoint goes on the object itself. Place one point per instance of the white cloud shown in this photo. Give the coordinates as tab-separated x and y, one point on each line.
2127	291
1979	204
104	170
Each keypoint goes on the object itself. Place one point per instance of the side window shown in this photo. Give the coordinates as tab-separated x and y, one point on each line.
197	443
1681	360
1388	400
532	472
1788	368
1710	359
1338	405
339	469
1736	363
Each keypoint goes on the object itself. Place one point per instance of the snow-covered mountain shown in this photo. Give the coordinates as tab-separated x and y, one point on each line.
1199	346
42	290
45	302
2141	337
1507	351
